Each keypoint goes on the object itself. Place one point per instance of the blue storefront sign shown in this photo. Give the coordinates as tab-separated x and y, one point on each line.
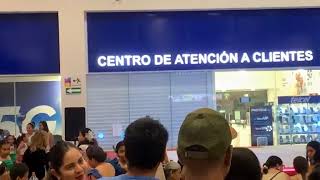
298	99
29	43
238	39
261	125
30	102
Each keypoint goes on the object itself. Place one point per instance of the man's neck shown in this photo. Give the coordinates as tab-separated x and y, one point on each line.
208	174
141	172
217	176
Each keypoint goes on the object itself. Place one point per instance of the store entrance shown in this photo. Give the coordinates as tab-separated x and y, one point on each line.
291	96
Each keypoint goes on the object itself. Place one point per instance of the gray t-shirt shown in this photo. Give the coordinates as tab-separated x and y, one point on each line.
126	177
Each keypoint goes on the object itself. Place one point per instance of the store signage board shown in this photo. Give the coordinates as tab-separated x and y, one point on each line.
195	40
298	99
29	43
261	125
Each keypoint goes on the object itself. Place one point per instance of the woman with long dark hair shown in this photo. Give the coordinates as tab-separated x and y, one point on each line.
311	150
315	174
43	126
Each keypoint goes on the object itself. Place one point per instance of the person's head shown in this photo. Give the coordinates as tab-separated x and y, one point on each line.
38	140
300	164
11	140
120	150
273	162
30	127
19	172
145	144
95	155
66	162
4	149
238	171
172	171
204	144
312	148
22	138
43	126
86	135
4	174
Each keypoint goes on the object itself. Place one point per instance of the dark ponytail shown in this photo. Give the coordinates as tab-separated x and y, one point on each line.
272	162
265	168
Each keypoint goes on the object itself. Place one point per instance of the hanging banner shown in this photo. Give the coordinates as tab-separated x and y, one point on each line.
261	126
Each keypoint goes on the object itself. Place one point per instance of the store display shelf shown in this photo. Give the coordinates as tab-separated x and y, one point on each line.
298	114
299	133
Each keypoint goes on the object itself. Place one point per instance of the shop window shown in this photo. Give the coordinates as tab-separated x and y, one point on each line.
115	100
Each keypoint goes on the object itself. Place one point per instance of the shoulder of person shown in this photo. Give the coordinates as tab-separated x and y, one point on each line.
105	166
283	174
28	150
295	177
109	165
111	178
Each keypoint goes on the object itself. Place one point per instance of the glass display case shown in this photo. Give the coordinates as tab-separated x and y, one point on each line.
298	119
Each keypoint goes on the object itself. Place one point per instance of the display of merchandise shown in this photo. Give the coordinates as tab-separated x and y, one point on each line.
298	119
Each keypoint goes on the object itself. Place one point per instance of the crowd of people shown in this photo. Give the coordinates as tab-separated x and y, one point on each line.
204	151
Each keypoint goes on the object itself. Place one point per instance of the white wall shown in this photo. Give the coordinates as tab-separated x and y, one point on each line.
244	80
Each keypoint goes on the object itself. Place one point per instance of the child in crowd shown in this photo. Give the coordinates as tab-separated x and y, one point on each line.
97	160
19	172
119	163
13	147
172	171
5	154
12	141
22	142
